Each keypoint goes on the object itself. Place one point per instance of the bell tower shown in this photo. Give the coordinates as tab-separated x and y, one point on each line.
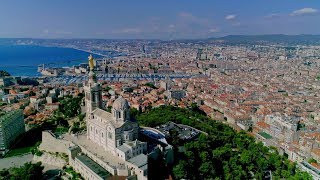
93	91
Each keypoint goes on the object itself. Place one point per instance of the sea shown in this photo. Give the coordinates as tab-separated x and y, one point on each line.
23	60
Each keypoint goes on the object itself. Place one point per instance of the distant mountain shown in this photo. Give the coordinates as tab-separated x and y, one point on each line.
273	38
303	39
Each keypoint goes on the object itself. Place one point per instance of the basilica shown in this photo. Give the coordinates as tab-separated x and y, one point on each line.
116	132
109	147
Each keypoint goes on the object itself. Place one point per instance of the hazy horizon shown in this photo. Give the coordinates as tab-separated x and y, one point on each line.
125	19
217	37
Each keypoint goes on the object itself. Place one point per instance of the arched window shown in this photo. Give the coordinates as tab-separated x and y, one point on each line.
119	115
101	134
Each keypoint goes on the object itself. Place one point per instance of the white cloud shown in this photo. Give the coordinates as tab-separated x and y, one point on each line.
186	19
214	30
63	32
231	17
186	15
57	32
130	30
46	31
271	16
236	24
171	26
304	11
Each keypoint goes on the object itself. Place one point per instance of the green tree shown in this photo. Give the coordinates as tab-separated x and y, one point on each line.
107	88
149	84
81	117
300	175
312	160
70	106
28	171
134	112
4	73
223	153
109	109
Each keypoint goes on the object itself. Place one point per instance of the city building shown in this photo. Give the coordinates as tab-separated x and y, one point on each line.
11	126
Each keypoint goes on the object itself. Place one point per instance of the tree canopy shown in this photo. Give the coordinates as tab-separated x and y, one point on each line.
70	106
149	84
4	73
223	153
28	171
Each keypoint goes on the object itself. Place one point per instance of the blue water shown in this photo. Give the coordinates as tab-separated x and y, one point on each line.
23	60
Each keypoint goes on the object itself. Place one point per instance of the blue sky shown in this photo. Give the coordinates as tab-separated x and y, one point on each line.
164	19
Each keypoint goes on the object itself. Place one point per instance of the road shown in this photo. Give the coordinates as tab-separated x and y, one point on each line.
15	161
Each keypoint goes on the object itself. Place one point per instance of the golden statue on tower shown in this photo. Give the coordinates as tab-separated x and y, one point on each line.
91	62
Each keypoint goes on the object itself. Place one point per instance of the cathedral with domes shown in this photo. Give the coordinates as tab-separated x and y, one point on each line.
110	146
116	132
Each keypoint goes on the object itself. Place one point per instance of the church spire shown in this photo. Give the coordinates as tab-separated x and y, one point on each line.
93	91
91	62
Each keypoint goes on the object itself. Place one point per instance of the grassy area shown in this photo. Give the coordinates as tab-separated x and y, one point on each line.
265	135
73	173
19	151
60	130
26	142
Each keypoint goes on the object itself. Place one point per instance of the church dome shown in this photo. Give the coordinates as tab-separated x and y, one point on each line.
121	104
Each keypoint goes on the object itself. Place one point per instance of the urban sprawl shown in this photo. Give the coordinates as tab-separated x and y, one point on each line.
269	90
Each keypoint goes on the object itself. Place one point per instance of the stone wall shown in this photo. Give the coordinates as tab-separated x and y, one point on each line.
47	158
51	144
112	170
141	175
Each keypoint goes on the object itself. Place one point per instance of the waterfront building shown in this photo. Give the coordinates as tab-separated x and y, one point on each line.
11	126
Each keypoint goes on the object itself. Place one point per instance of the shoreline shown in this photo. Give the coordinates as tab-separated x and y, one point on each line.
66	47
54	62
30	67
74	48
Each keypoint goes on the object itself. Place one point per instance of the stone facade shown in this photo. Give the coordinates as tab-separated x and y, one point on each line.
109	130
115	132
110	144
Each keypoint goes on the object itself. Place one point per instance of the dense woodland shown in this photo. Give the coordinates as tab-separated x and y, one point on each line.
70	106
222	154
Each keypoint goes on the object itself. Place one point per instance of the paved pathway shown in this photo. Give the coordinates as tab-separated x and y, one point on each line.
15	161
